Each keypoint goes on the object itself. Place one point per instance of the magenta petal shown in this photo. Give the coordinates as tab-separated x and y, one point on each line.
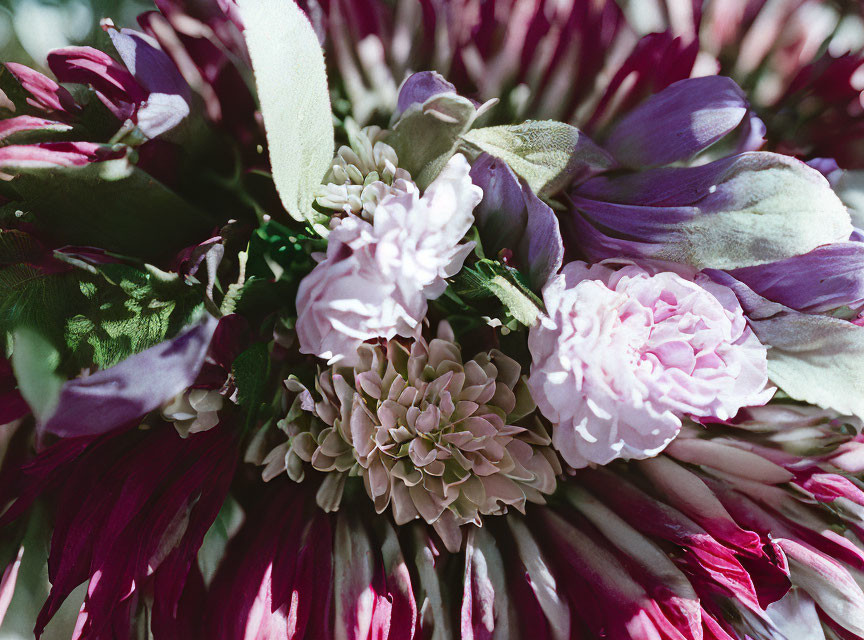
7	583
21	124
141	383
54	154
45	94
112	82
277	572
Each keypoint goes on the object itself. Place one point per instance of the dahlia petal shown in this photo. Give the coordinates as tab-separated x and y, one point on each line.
828	583
657	60
403	619
141	383
485	612
796	616
511	217
668	585
714	563
622	608
827	487
48	155
45	94
118	488
21	124
688	493
362	606
729	459
7	583
542	580
290	573
679	122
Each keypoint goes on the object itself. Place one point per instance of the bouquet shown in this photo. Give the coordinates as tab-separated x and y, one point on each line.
432	319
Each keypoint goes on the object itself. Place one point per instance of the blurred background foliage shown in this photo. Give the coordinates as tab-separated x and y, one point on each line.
29	29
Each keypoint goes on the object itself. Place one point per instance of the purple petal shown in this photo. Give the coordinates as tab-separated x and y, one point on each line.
168	102
511	217
825	279
678	122
418	88
141	383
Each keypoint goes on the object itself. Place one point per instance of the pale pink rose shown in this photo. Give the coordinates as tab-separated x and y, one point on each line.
624	355
377	277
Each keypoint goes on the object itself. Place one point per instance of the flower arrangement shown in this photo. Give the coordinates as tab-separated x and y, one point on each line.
436	319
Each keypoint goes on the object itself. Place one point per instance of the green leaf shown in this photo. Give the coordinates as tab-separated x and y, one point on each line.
251	370
295	102
35	361
426	136
489	278
215	541
762	207
97	314
279	258
129	311
547	154
112	205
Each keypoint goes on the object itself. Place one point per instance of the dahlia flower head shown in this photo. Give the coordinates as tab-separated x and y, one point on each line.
431	436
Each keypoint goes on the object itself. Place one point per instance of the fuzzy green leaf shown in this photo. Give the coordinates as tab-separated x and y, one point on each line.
426	136
295	101
547	154
812	358
489	278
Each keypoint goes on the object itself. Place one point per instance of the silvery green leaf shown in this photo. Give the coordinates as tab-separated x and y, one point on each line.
488	278
813	358
850	188
295	101
548	155
747	209
426	136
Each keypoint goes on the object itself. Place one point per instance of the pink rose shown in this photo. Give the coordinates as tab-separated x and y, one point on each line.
624	355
